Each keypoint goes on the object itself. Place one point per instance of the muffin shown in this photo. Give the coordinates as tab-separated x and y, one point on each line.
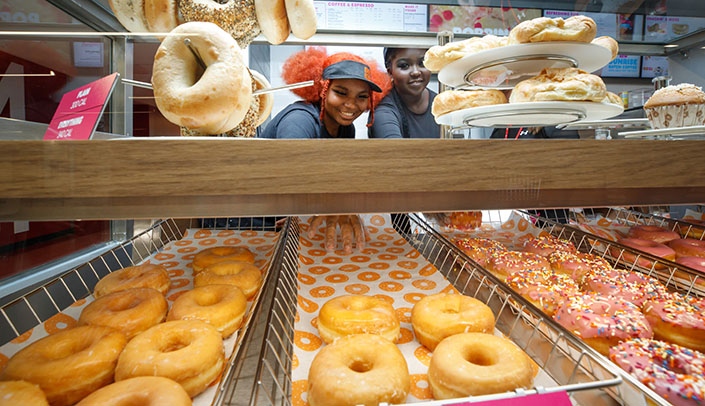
674	106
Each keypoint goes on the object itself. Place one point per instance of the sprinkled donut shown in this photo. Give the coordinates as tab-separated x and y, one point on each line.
678	319
631	286
545	244
505	263
479	249
602	321
574	264
545	289
236	17
672	371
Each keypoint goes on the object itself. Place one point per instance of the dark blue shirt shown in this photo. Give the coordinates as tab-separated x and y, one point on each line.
301	120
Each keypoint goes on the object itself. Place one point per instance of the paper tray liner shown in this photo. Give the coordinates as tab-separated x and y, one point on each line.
176	257
388	268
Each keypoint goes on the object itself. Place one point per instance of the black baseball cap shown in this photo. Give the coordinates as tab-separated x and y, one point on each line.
351	70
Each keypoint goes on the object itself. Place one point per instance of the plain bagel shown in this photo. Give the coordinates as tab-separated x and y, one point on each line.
302	17
218	99
272	19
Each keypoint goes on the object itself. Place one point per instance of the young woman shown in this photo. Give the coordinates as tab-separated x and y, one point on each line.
406	111
345	86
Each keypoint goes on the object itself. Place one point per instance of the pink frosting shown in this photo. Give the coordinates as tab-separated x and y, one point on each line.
684	311
696	263
546	244
674	372
653	233
631	286
593	316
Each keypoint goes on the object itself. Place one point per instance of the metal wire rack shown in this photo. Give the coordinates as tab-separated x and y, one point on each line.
576	368
40	303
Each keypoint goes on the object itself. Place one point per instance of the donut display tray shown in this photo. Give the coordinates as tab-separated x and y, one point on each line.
513	63
402	271
162	244
529	114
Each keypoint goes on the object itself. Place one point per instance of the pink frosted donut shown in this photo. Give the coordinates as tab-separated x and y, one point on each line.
674	372
544	289
688	247
631	286
678	319
479	249
650	247
505	263
602	321
697	263
545	244
652	233
575	264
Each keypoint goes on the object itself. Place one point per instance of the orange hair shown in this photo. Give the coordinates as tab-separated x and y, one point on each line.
309	65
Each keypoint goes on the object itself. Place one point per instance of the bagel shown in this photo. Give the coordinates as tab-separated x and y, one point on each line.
453	100
130	13
212	103
161	15
302	17
236	17
272	19
266	100
560	84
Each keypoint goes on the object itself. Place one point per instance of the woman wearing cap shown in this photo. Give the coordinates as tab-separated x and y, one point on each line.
406	111
345	86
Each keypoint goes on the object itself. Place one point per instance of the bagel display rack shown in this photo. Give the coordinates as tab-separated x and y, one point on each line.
504	67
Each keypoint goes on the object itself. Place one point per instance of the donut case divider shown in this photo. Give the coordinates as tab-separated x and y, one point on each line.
59	301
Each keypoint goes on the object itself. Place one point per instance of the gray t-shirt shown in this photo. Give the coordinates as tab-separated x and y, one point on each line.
389	120
302	120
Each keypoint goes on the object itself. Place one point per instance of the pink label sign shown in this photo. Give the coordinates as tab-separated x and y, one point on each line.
541	399
80	109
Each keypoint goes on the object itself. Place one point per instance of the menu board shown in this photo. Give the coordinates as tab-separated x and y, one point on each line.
353	16
663	28
653	66
478	20
623	66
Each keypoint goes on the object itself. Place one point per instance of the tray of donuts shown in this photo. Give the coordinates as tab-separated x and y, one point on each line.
167	327
545	62
405	322
637	314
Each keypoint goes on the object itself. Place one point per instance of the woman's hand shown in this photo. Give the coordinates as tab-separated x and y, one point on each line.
352	229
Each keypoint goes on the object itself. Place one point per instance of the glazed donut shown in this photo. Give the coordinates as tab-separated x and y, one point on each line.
575	265
357	314
138	276
544	289
673	372
631	286
235	17
545	244
471	364
244	275
647	246
577	28
479	249
602	321
224	253
653	233
188	351
130	311
142	390
272	19
678	319
358	369
70	364
438	316
688	247
222	306
693	228
505	263
209	101
21	393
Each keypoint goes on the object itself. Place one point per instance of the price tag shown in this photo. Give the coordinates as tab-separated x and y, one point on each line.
78	113
538	399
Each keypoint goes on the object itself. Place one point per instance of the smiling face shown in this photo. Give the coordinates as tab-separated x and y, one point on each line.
346	100
409	75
